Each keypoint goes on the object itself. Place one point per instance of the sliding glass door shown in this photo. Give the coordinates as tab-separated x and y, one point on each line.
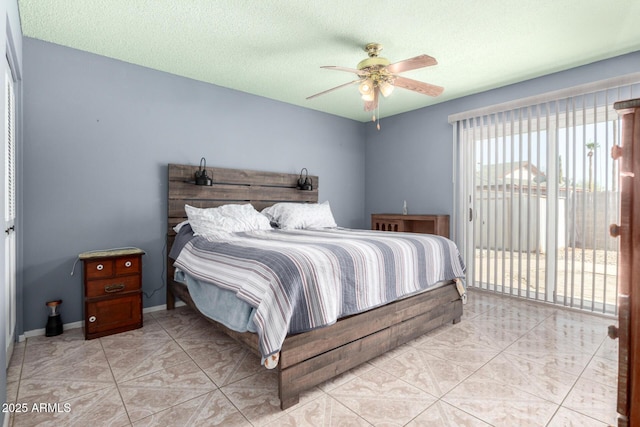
537	193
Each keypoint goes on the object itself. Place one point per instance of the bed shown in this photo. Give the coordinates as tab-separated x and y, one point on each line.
305	359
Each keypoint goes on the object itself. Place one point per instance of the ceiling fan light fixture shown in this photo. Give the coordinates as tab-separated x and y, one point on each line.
366	87
368	97
386	88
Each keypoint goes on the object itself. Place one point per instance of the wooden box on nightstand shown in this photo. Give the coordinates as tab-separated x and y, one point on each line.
112	291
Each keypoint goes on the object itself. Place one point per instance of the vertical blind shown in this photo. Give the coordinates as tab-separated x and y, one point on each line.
536	190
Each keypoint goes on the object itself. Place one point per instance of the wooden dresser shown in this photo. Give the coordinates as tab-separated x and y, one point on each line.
112	291
426	224
628	231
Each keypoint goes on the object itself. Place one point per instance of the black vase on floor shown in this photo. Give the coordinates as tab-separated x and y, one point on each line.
54	322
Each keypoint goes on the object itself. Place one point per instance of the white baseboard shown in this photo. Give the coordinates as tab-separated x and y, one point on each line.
161	307
80	324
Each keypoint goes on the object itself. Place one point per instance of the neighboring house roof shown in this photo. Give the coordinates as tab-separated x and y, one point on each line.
517	173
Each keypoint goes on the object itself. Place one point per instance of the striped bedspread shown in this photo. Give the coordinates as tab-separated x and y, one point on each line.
298	280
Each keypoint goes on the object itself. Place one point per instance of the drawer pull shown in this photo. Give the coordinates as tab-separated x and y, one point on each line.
127	264
99	267
613	332
114	288
614	230
92	319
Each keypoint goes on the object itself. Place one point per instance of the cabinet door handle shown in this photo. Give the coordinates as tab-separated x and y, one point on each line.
114	288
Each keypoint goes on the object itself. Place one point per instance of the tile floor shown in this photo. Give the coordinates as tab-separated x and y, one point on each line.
508	363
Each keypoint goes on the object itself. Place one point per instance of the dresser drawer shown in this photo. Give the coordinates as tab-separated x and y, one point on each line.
98	269
128	265
112	315
112	286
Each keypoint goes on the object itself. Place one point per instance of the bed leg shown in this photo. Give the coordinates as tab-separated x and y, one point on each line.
289	402
171	299
457	320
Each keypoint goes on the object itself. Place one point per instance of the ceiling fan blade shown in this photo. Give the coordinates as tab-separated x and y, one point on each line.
347	69
416	86
333	88
420	61
372	105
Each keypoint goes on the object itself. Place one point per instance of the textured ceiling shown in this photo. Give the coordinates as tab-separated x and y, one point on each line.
274	48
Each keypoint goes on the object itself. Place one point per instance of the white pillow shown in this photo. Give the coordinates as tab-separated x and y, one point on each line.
179	226
227	218
301	215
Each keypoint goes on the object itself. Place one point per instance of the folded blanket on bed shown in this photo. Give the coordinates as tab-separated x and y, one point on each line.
299	280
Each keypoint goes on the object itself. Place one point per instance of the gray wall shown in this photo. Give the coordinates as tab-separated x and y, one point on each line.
98	135
411	157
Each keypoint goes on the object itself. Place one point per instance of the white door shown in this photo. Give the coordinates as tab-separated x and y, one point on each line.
9	197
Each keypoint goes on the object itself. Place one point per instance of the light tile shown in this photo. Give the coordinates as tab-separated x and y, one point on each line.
594	399
521	308
602	370
99	408
500	404
49	390
12	391
427	372
324	411
70	335
345	377
14	370
461	347
152	393
222	358
150	331
479	302
566	361
380	398
568	418
65	359
441	414
534	378
210	409
464	337
131	358
256	397
185	323
609	349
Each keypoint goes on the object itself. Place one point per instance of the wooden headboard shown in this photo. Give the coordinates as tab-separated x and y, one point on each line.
261	189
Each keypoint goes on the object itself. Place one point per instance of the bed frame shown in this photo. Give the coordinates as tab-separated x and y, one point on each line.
311	358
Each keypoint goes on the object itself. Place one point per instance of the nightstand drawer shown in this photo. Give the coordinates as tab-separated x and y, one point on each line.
112	286
99	269
112	315
127	265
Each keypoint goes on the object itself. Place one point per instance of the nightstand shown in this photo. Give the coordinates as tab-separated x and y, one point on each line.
112	291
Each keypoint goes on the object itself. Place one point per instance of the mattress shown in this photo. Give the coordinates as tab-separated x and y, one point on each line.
280	282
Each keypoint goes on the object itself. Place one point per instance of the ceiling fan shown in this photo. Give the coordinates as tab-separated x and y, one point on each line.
376	75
